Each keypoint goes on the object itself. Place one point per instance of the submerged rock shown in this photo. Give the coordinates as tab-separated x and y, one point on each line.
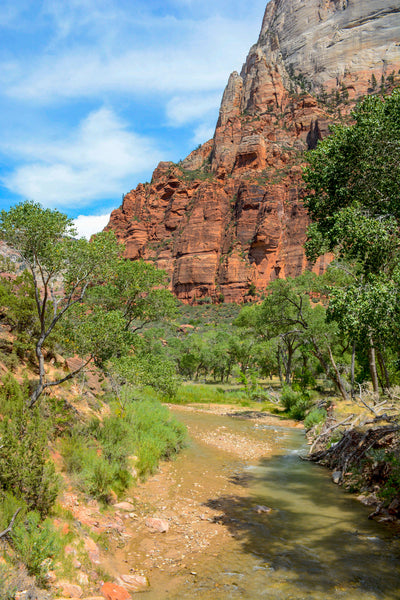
134	583
160	525
262	509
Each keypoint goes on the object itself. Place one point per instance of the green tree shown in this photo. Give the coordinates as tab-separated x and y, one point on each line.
61	269
288	317
354	203
137	289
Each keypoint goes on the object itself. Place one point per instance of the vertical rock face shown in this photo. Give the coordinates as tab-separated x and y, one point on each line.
230	216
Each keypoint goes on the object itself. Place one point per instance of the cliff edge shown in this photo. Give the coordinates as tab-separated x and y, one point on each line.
229	218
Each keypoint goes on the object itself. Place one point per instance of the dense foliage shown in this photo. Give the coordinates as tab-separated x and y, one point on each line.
354	203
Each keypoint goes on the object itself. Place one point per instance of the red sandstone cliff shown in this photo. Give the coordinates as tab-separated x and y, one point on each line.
230	216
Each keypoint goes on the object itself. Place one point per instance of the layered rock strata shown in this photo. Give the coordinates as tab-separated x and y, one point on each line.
229	218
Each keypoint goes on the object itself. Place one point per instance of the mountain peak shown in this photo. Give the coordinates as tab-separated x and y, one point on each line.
230	217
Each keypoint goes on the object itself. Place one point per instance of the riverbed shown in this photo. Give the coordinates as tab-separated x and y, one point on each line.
248	519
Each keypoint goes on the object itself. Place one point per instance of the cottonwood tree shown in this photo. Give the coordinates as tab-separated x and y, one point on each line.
137	289
354	203
298	328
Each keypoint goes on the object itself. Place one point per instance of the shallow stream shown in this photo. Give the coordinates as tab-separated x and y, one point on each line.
317	542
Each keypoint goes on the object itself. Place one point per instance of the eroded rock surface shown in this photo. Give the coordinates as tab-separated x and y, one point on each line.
230	218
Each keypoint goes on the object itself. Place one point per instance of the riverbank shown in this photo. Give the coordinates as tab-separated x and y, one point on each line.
181	518
216	523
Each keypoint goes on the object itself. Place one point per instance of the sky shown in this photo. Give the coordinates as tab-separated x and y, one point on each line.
94	93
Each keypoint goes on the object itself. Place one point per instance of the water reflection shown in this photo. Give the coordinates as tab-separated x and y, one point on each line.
315	544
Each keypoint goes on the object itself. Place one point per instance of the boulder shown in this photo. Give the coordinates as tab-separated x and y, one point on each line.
125	506
70	590
113	591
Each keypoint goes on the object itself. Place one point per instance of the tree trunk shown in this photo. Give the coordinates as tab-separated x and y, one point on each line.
40	385
382	364
372	366
278	357
353	360
340	383
288	374
336	378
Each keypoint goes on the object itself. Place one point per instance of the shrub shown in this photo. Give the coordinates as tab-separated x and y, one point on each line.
37	543
8	586
295	402
318	415
98	455
391	487
157	435
113	435
25	466
97	476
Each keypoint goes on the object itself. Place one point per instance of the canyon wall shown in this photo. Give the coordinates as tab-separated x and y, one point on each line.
229	218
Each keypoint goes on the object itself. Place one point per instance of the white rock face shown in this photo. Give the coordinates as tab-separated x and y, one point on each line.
325	38
320	43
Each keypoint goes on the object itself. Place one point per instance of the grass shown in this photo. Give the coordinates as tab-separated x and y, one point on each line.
99	455
197	393
227	393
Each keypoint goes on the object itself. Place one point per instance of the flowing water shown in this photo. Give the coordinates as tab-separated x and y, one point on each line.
316	543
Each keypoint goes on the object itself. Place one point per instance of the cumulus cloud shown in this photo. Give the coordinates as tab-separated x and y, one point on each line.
87	225
171	58
97	160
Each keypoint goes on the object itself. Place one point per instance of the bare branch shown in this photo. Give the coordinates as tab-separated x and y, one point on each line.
9	528
332	428
41	387
365	404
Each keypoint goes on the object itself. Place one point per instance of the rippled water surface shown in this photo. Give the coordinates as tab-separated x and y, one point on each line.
316	543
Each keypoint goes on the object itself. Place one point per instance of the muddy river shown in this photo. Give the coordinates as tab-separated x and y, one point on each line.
224	542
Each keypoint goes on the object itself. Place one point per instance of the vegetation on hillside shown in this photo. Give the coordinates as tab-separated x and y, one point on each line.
305	342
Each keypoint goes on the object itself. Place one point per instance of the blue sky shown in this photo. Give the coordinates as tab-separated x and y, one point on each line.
94	93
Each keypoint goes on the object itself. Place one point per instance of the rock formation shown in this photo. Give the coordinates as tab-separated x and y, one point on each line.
229	218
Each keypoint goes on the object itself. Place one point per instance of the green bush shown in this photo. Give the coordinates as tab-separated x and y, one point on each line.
98	455
97	476
295	402
391	487
37	544
156	434
114	437
8	586
318	415
25	466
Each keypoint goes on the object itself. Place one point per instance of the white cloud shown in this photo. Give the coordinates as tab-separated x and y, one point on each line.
188	108
203	133
98	160
87	225
136	72
172	58
175	56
